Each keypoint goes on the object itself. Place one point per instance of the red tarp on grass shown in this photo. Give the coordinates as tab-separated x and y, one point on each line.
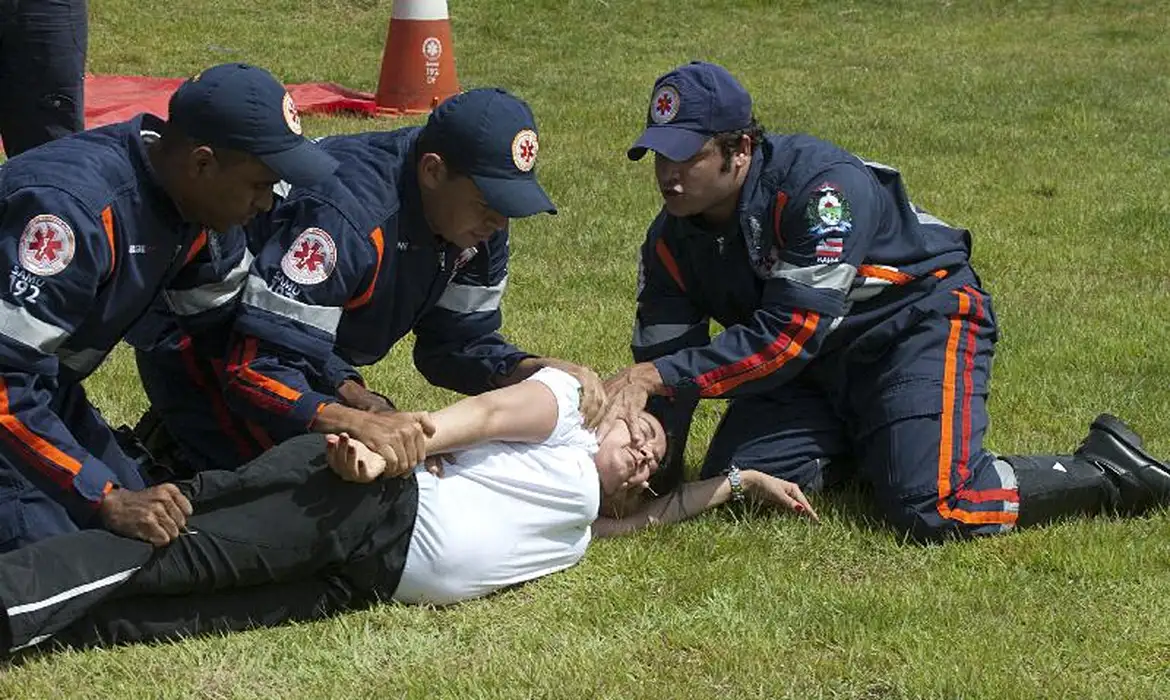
115	98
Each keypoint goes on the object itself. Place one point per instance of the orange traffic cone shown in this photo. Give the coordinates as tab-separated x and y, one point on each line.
418	63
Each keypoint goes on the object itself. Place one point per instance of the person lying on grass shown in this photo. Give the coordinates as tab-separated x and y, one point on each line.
285	538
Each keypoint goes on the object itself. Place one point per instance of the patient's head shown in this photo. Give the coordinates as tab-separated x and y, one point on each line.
623	468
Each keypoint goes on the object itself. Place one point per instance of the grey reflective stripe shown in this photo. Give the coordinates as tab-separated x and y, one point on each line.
1007	475
20	325
874	165
186	302
282	188
464	298
63	596
866	292
836	276
81	361
257	294
925	217
645	336
865	288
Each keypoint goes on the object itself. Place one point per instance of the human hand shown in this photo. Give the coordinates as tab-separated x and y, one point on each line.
400	438
764	488
352	394
593	395
351	460
628	392
157	514
436	463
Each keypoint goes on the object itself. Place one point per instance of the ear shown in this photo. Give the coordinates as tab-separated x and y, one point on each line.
744	151
201	161
432	171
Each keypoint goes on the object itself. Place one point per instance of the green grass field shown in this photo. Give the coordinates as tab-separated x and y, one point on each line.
1044	127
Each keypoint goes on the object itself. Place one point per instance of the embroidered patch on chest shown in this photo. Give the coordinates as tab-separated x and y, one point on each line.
828	211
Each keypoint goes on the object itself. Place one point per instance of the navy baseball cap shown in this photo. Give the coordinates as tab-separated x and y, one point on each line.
244	108
491	136
689	105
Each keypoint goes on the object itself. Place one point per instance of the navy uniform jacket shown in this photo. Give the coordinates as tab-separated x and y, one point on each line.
351	266
89	238
821	243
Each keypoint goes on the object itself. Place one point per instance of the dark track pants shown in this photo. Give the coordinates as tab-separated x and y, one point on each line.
281	539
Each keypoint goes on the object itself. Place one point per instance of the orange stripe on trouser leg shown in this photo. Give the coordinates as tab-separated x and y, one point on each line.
946	420
968	375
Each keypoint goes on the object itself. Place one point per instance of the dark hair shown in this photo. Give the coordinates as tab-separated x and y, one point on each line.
728	141
172	139
429	142
669	475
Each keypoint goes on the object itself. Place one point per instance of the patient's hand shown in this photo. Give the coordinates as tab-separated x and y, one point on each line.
352	460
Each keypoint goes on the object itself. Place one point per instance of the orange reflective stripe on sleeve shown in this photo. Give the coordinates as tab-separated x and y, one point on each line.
108	225
777	212
33	444
786	346
669	263
364	298
888	274
255	378
200	242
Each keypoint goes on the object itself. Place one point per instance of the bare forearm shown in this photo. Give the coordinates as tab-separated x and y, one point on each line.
522	413
686	502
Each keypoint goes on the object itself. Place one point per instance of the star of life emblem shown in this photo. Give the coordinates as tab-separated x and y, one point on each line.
665	104
46	245
311	258
291	116
524	150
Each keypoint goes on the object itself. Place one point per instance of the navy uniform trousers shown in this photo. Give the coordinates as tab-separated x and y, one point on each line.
42	71
283	538
903	402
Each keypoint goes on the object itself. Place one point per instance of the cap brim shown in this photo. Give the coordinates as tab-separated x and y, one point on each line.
515	198
671	141
303	164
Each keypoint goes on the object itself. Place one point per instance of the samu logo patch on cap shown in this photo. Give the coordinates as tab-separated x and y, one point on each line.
524	149
291	116
664	106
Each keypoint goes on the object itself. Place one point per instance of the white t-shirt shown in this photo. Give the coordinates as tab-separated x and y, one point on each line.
504	513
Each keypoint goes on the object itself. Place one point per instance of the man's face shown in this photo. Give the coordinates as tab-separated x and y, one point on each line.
620	465
693	186
455	208
227	190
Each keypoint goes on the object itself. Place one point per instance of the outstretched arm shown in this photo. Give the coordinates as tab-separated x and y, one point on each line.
698	496
524	412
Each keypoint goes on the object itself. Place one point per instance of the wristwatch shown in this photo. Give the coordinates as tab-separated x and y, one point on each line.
735	480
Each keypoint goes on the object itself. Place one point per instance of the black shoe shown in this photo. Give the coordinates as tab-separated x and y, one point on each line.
1143	482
